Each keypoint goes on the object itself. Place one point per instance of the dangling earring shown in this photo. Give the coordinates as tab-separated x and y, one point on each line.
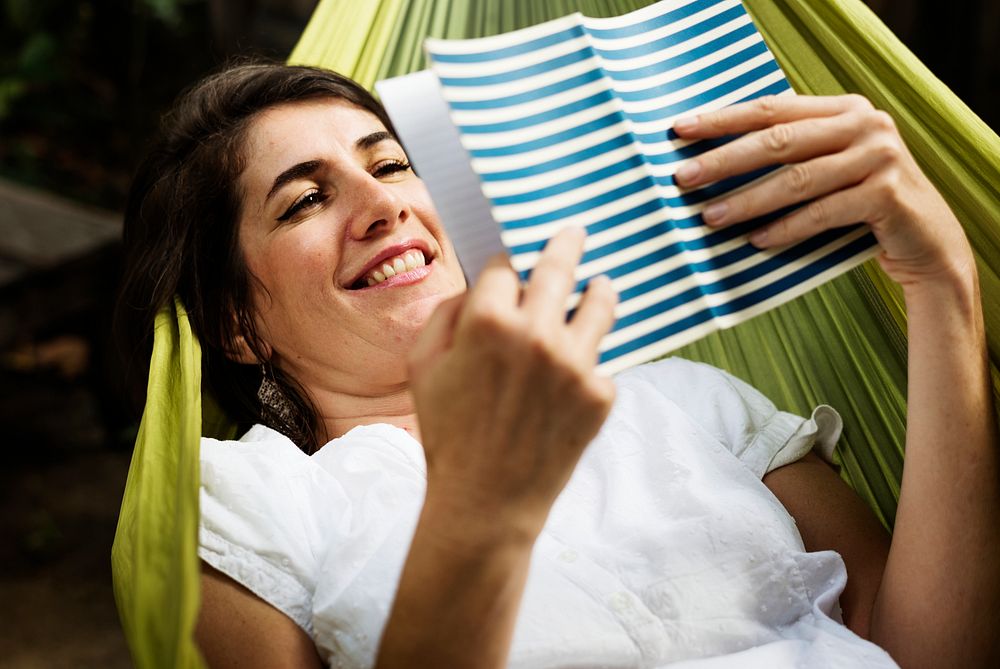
273	402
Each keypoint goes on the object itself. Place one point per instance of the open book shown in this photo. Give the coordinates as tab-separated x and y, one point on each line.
569	123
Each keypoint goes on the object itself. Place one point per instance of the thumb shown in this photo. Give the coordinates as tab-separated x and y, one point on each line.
436	336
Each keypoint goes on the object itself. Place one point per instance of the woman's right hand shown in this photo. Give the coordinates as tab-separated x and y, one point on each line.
507	395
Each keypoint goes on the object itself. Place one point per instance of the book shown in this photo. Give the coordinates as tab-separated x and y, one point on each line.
569	123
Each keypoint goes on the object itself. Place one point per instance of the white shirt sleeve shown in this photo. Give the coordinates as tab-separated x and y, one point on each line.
741	417
256	526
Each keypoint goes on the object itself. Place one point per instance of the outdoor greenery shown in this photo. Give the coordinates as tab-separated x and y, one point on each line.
82	85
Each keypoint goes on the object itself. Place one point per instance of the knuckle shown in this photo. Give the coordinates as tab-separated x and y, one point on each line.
880	136
779	138
858	102
816	215
885	149
767	106
887	186
882	121
800	179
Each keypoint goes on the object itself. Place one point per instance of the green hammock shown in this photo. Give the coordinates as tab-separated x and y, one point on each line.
843	344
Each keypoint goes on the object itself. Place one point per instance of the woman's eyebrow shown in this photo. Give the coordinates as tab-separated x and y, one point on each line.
298	171
368	141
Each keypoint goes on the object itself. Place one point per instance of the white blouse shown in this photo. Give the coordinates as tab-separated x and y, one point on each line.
665	548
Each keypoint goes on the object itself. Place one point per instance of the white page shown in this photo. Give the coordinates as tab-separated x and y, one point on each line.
420	115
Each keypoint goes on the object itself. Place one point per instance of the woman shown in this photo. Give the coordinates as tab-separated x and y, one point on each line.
318	278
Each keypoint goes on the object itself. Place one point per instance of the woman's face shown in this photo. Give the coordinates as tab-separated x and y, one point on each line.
345	242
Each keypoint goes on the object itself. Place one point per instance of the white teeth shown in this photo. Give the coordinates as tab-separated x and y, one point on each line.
410	260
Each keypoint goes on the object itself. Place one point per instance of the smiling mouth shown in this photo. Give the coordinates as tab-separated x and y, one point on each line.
407	261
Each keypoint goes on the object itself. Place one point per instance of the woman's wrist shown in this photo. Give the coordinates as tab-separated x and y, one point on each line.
468	523
459	592
954	287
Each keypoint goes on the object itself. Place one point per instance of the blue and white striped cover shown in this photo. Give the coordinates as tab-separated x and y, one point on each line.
569	123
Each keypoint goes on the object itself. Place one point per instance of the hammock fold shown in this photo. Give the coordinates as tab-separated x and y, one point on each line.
154	559
843	344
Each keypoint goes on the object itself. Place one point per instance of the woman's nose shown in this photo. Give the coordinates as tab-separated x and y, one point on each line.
379	208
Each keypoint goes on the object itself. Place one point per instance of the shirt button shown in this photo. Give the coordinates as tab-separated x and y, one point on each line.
620	601
568	555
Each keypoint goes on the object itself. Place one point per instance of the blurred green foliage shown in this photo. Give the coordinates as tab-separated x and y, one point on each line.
82	85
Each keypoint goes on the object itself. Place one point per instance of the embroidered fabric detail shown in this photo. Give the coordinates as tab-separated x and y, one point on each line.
260	576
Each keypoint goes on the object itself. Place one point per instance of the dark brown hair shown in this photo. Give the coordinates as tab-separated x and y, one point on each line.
181	234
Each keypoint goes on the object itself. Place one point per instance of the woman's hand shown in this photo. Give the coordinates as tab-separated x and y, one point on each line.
507	399
938	603
507	395
846	160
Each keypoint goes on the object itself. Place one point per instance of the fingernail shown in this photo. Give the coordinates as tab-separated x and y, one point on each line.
714	212
689	171
686	123
759	237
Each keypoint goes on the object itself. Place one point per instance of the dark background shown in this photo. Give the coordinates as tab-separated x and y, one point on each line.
82	85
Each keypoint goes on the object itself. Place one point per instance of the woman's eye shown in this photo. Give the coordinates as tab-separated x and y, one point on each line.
310	199
389	167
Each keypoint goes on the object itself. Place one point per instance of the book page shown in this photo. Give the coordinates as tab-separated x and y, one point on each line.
420	116
568	123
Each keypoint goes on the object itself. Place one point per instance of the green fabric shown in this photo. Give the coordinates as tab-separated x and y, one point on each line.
154	559
843	344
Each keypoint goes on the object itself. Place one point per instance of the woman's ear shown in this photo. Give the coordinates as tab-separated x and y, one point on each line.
239	348
240	351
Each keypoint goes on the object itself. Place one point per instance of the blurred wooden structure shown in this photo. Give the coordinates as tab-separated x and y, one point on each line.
58	260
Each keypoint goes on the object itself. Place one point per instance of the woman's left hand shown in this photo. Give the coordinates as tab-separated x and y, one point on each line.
847	160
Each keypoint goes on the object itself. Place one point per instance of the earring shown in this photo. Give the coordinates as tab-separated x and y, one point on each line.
273	402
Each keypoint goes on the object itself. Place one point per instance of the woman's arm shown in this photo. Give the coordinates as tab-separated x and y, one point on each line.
831	516
236	628
507	397
938	603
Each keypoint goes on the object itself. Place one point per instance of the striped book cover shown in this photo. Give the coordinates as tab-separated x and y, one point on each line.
568	123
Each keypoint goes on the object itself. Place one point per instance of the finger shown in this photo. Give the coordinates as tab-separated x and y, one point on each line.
498	283
594	316
552	279
783	143
764	112
843	208
796	183
436	336
497	290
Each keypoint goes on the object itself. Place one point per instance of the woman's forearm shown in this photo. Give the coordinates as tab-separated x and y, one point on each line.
508	398
459	593
939	602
